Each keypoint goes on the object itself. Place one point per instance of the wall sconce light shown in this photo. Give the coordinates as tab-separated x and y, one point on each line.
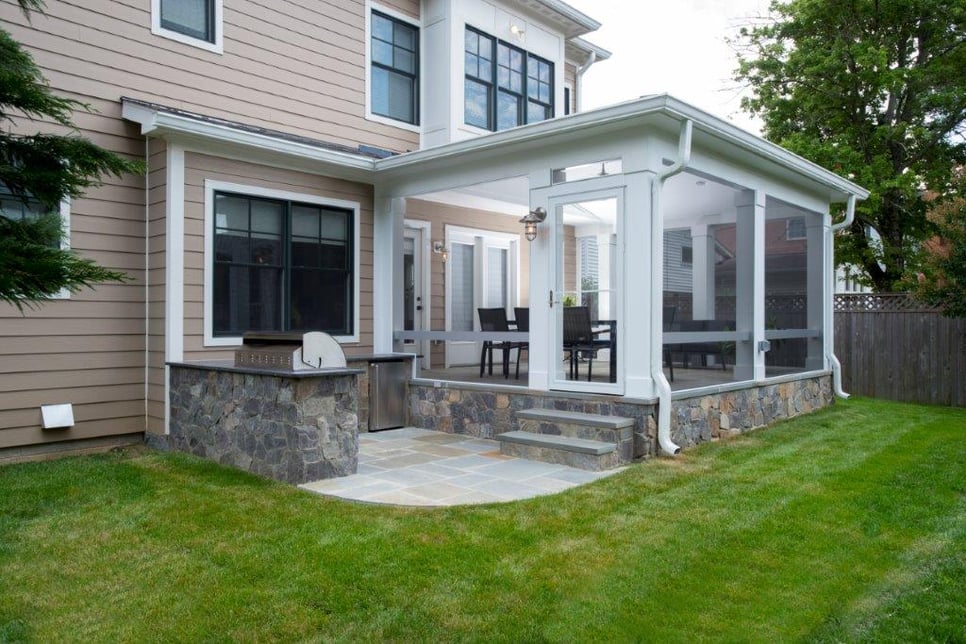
440	249
534	217
517	31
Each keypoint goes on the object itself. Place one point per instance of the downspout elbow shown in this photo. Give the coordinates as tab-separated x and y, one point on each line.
849	215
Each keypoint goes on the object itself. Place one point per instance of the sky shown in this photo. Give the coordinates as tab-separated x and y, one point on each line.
672	46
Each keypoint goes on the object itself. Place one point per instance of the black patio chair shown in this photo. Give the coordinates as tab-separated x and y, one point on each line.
494	319
579	340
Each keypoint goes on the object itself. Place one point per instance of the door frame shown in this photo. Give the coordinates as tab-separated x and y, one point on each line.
556	198
421	232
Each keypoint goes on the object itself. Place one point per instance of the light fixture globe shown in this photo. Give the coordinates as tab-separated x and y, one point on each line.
534	217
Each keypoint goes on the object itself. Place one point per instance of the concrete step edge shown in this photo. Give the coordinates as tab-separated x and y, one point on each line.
575	418
553	441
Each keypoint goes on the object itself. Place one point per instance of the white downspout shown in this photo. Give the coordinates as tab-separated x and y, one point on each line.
591	59
830	314
657	291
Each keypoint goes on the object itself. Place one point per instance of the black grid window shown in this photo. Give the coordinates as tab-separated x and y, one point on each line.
281	266
504	86
194	18
394	77
14	208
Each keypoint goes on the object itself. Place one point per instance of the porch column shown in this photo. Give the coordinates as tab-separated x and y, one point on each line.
639	342
815	289
387	276
750	284
702	272
541	283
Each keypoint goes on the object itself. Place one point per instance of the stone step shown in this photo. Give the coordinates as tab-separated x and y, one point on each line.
564	450
607	429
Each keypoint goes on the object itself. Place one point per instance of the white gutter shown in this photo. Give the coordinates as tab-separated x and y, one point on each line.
591	59
657	294
830	315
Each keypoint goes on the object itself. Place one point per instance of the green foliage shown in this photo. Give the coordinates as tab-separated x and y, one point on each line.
48	168
845	525
942	281
31	262
874	91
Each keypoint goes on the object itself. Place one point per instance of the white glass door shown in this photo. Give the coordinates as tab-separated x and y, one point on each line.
586	308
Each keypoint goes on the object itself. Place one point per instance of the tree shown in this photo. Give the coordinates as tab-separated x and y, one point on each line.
43	168
943	278
874	90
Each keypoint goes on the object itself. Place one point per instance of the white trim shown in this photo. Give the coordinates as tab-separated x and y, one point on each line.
174	269
215	47
211	186
385	120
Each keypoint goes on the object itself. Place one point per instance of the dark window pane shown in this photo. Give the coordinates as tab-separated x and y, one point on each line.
477	104
190	17
334	256
305	252
405	60
231	246
246	299
266	251
267	218
320	301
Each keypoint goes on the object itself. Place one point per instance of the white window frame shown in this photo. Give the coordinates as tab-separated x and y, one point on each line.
215	47
64	212
396	15
213	186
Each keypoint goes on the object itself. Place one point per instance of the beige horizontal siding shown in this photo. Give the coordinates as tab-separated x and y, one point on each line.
296	66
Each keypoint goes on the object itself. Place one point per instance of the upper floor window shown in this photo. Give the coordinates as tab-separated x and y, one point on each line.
14	208
194	22
504	86
394	77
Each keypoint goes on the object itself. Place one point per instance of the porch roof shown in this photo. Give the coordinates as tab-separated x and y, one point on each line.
661	112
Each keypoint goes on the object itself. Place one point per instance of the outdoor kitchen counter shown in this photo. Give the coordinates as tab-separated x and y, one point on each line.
292	426
228	365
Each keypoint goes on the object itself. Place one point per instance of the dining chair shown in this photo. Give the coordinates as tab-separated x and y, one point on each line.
494	319
578	339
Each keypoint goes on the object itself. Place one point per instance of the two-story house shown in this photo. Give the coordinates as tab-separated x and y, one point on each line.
361	168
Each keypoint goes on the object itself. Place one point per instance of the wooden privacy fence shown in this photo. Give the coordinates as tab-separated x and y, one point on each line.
893	346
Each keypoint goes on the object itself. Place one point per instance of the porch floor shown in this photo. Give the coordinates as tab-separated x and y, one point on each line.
412	466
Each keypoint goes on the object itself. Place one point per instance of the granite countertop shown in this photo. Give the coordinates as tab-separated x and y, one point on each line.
229	366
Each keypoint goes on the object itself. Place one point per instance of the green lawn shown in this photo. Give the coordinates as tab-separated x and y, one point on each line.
849	524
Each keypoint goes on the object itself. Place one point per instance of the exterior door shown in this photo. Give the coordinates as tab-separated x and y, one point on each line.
587	303
415	305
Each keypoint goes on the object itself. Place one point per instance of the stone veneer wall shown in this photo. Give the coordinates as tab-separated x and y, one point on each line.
475	410
458	408
292	428
702	418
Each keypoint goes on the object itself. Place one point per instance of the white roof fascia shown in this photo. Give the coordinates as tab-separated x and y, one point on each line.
588	47
649	105
158	122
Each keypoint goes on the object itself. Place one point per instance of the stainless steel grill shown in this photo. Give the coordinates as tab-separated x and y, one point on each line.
289	351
